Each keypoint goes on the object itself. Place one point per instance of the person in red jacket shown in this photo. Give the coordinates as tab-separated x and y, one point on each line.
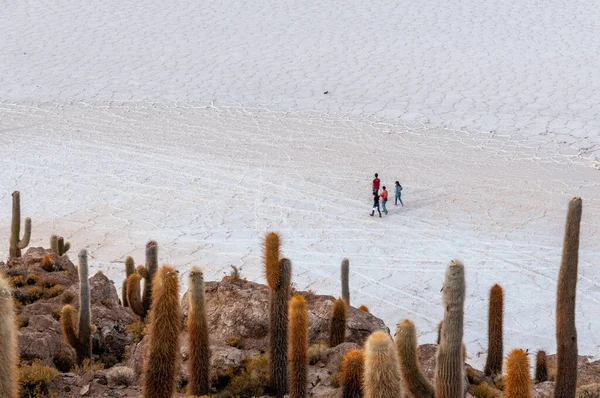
376	183
384	198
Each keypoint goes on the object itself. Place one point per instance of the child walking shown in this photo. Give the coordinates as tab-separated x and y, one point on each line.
375	205
398	194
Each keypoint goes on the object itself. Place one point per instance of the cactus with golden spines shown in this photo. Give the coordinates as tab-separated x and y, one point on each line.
449	369
133	292
566	331
352	374
161	367
80	339
382	371
517	383
9	351
199	348
16	242
406	343
298	347
151	269
493	364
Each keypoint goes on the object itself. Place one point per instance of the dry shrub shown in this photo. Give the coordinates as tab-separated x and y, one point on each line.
87	366
317	352
234	341
589	391
22	322
53	291
121	375
63	361
138	329
31	294
253	380
35	380
48	281
17	281
484	390
47	263
32	279
67	297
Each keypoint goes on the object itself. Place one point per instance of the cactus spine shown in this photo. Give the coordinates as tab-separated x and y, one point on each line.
199	349
345	280
566	332
337	325
352	374
129	270
151	268
9	353
298	347
278	329
541	367
382	371
517	383
161	366
493	364
449	368
81	340
16	243
412	377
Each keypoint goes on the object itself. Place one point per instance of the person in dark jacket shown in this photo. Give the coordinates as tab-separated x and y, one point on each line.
398	194
376	183
375	205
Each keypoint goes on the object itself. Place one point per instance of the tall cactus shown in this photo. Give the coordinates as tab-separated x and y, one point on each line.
298	347
337	325
493	364
151	268
161	363
129	270
382	372
271	255
352	374
517	383
406	344
9	353
345	280
16	243
449	368
566	332
134	297
278	329
199	349
81	340
541	367
133	281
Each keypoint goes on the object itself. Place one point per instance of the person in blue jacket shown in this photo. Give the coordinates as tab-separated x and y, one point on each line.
398	194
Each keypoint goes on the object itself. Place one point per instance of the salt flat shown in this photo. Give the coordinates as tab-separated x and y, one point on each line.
205	125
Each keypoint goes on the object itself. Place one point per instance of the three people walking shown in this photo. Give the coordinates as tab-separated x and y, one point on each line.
383	198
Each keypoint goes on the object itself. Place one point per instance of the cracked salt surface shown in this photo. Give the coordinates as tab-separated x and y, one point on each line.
203	125
207	183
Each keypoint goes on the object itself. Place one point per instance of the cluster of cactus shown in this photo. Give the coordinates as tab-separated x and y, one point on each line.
383	369
58	245
140	303
16	242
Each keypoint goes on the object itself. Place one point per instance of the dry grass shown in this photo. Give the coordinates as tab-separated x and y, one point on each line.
54	291
484	390
253	380
589	391
234	341
35	380
121	375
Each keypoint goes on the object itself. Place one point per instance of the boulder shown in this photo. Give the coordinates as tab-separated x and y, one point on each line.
240	309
